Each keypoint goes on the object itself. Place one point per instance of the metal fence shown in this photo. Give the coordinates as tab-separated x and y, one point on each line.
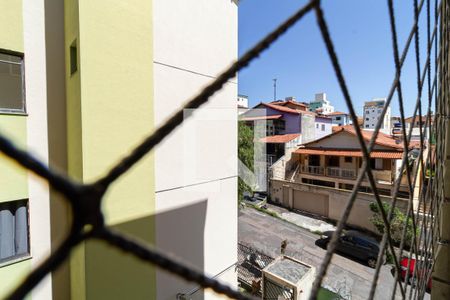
250	265
432	75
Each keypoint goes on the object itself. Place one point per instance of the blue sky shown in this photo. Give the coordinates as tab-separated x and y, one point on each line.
361	33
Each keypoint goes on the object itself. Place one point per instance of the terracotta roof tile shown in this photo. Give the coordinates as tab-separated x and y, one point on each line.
281	108
279	139
349	152
272	117
382	138
288	101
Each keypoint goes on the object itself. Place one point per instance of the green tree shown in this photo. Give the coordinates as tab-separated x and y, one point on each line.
397	223
245	155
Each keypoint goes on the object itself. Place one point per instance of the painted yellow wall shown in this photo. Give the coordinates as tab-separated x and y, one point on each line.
13	179
74	141
12	275
11	24
110	110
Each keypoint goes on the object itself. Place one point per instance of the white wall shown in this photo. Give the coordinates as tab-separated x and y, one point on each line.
321	131
36	93
242	101
196	166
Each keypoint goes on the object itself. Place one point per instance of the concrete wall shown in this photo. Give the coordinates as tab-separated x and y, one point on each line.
337	199
308	128
195	167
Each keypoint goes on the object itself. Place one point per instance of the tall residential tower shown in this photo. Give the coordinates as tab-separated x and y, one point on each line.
81	84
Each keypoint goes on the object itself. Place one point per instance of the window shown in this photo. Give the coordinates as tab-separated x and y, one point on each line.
73	57
367	111
12	96
348	159
338	118
323	127
14	238
367	119
367	126
317	125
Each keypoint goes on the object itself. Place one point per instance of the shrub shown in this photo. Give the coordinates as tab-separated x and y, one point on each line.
397	222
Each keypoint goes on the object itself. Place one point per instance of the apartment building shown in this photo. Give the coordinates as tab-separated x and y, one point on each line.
25	221
82	83
372	113
196	166
321	104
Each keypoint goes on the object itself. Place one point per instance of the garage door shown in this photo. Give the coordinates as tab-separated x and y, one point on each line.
311	202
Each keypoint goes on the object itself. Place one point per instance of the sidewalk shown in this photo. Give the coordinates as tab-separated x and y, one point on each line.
303	221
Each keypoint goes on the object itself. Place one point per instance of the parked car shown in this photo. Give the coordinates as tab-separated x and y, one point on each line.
421	271
357	245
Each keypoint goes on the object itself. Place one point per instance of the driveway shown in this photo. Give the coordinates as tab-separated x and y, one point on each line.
345	276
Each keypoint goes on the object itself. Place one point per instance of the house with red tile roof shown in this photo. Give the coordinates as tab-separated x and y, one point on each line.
285	125
322	173
337	158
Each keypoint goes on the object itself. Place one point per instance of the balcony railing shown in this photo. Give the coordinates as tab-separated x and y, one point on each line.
339	172
313	170
329	171
381	176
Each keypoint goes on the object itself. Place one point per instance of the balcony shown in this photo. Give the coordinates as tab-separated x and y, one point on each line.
381	176
341	173
329	171
315	170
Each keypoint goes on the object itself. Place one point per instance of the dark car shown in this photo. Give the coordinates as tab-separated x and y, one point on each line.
357	245
420	273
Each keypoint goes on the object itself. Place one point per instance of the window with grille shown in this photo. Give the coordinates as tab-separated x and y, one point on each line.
12	96
14	233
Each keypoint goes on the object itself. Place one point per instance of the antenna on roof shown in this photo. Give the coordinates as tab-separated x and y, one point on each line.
274	89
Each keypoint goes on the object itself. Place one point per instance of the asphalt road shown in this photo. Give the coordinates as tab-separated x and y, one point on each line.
350	278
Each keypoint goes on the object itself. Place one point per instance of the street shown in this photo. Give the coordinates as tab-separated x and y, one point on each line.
349	278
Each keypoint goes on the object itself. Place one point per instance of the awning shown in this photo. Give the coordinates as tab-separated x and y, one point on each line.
279	139
352	153
272	117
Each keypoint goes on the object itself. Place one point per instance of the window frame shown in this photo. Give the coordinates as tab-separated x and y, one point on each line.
23	256
23	111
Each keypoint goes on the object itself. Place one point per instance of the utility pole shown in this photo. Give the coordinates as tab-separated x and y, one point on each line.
274	89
